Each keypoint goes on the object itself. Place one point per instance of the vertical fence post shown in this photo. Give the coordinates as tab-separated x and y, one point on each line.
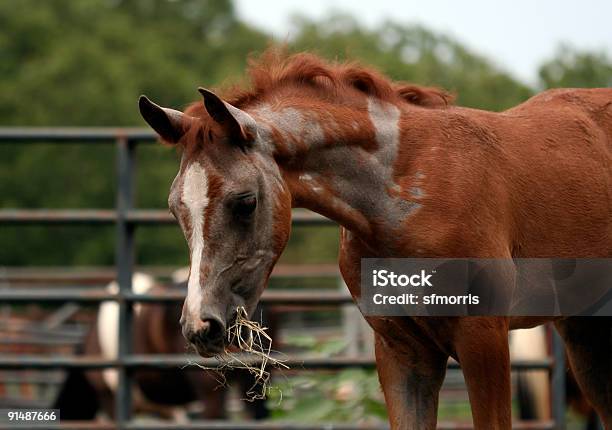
124	265
558	382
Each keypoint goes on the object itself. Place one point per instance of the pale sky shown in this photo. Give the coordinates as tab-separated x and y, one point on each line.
518	35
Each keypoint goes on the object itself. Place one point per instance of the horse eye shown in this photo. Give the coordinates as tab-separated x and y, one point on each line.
245	206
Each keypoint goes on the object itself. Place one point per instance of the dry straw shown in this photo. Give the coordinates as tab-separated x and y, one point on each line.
253	341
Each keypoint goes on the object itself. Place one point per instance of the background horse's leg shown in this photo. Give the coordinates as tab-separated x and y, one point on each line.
481	344
532	386
589	347
410	384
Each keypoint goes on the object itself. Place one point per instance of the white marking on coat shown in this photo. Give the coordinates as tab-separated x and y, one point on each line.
108	324
294	125
195	197
385	119
311	182
416	192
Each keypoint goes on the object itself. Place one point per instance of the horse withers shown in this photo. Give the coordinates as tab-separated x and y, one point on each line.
405	174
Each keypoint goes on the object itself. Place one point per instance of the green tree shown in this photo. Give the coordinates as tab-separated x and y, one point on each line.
84	63
572	68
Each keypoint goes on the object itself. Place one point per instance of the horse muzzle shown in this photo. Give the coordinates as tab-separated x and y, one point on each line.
206	335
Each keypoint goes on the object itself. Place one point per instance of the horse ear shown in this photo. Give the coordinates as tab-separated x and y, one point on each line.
238	124
170	124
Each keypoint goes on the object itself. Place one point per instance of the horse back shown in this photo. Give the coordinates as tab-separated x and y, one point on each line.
533	181
592	105
561	178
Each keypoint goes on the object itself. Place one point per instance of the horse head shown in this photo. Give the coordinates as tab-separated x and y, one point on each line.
233	207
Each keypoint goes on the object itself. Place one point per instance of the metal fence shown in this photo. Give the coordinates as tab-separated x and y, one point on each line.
125	218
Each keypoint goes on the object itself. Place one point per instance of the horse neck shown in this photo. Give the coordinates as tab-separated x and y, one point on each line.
337	160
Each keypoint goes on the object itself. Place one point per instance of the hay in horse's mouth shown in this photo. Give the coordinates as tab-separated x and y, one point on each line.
251	338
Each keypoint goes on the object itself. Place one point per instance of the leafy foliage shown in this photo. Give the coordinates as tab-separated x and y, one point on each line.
350	395
571	68
84	64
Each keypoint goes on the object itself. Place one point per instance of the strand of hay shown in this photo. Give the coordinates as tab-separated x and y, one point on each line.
251	338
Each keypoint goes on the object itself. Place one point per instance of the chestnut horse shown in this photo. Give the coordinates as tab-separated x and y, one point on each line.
405	174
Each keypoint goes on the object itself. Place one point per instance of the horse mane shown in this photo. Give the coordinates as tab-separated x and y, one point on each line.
275	69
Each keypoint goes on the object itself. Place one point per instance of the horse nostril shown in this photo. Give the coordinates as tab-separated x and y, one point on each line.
212	329
205	327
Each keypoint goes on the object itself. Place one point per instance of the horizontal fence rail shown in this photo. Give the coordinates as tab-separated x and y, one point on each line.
75	134
104	275
110	217
126	218
161	361
301	297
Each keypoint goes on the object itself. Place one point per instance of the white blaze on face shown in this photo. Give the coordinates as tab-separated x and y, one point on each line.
195	198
